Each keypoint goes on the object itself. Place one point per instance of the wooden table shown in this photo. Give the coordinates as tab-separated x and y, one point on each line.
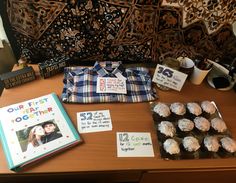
96	159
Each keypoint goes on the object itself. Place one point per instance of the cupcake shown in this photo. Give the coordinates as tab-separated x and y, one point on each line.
208	108
228	147
190	147
166	130
210	147
178	110
194	109
171	149
184	127
202	124
161	112
218	125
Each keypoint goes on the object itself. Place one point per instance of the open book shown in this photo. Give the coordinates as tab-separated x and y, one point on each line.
34	129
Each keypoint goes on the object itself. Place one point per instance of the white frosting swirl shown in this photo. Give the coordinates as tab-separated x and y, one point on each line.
219	125
191	144
202	124
171	146
228	144
178	108
208	107
194	108
162	109
185	125
167	128
211	143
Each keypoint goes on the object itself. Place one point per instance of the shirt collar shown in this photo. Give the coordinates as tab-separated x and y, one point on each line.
103	68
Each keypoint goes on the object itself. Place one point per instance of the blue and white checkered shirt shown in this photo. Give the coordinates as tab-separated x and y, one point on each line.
80	84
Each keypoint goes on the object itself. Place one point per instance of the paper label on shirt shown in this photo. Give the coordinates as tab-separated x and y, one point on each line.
169	77
133	144
94	121
111	85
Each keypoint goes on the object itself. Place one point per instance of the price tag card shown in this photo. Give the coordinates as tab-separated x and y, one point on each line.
169	77
132	144
94	121
111	85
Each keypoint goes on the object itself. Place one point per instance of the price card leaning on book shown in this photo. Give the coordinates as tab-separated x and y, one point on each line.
169	77
34	129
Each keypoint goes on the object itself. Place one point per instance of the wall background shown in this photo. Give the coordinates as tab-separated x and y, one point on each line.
7	59
3	35
128	30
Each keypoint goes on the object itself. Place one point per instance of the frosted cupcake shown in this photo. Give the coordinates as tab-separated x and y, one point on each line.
218	125
178	110
161	112
166	129
184	127
208	108
210	147
228	147
194	109
202	124
190	147
171	149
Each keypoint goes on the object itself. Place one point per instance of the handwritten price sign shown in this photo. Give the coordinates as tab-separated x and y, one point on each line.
132	144
94	121
169	77
111	85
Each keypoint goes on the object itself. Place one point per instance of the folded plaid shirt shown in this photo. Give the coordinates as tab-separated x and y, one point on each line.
80	84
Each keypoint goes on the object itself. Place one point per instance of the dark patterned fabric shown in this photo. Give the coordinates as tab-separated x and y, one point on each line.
127	30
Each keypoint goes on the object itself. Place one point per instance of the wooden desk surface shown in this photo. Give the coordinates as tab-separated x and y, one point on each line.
98	152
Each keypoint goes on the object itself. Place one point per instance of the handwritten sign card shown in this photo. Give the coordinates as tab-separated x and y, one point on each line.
169	77
94	121
111	85
132	144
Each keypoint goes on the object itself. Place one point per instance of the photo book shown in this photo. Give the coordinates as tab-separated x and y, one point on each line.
35	129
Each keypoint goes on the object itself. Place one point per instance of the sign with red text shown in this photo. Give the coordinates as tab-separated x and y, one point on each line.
111	85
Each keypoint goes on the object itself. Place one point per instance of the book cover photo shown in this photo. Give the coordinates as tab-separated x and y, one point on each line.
34	129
